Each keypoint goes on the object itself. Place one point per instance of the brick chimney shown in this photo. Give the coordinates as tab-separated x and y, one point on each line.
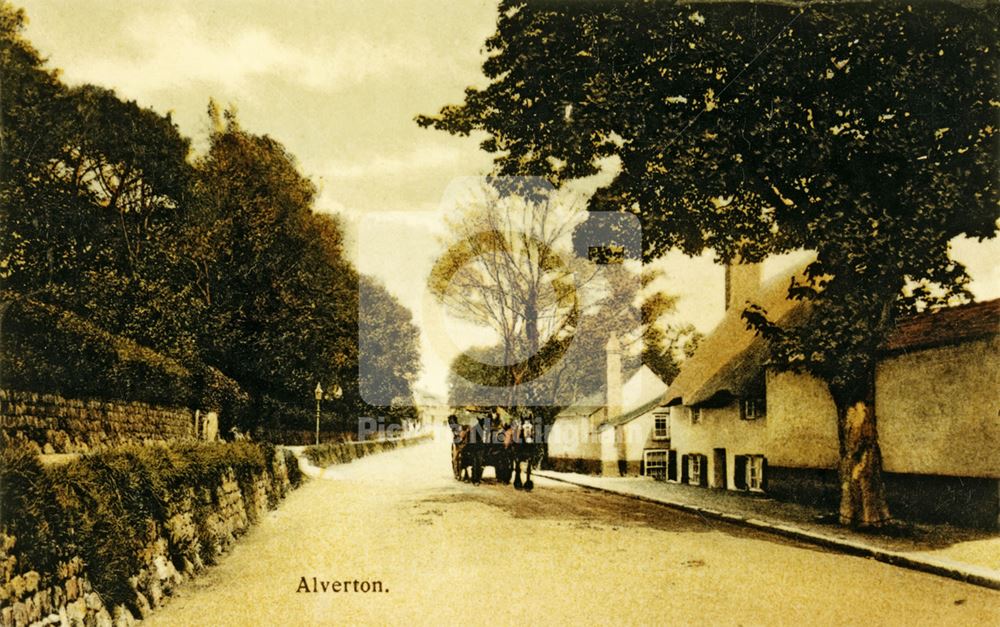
613	406
742	283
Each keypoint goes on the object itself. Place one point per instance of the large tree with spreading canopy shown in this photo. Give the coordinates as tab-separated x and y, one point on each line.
864	132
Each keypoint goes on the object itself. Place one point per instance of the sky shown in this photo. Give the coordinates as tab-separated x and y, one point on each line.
339	83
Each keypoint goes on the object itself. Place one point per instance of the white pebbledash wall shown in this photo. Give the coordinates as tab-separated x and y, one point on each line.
719	427
937	412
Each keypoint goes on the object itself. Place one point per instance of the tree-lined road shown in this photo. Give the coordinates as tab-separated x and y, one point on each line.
450	553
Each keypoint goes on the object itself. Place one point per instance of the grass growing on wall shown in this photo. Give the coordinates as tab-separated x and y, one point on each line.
342	452
106	507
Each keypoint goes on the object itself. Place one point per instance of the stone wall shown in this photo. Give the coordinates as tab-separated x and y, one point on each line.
59	425
343	452
176	551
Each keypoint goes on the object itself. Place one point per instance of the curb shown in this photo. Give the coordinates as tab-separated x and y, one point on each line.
976	576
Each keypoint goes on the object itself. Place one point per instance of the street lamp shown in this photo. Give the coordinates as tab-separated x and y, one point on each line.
319	397
335	392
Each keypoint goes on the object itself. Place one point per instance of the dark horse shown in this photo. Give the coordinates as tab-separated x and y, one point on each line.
521	446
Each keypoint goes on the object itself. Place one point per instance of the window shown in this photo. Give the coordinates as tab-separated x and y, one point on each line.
655	462
755	473
695	414
695	468
661	427
750	471
753	408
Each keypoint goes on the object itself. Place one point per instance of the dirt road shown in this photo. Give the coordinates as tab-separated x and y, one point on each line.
449	553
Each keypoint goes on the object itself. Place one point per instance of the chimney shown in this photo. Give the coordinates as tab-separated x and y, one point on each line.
613	406
742	283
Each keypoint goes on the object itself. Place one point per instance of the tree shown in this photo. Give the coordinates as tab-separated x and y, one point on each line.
91	189
513	266
509	268
389	359
280	300
763	129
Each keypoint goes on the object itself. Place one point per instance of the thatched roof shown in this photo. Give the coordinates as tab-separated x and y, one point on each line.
728	362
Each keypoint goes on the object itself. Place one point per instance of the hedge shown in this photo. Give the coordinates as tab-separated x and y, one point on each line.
342	452
50	350
103	506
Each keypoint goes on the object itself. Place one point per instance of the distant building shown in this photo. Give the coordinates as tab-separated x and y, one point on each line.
612	433
736	425
433	410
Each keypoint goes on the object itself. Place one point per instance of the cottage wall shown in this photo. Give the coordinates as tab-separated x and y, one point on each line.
611	453
639	437
938	431
719	427
571	445
937	410
801	422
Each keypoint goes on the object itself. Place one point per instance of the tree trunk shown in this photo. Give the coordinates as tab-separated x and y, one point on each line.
862	490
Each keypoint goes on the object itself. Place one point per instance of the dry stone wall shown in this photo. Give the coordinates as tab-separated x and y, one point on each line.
59	425
176	551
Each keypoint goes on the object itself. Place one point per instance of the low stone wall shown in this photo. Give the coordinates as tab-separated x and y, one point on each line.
60	425
343	452
175	549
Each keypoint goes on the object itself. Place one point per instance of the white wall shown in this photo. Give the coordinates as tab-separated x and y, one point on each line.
718	428
570	437
938	413
801	422
938	410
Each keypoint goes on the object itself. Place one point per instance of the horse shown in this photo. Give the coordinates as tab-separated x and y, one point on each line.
520	441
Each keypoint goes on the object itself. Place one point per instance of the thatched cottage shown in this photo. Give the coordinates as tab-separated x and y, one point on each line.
735	425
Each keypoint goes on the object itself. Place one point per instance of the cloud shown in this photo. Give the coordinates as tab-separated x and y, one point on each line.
421	157
169	51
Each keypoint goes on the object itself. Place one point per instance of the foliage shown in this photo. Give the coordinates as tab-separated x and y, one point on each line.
107	507
389	356
57	352
217	265
53	351
765	129
295	476
29	510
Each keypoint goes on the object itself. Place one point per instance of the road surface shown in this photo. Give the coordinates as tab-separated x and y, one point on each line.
443	552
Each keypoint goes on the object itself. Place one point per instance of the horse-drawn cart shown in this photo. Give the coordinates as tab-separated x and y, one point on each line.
505	447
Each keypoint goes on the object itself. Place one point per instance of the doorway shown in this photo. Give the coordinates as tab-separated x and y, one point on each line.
719	468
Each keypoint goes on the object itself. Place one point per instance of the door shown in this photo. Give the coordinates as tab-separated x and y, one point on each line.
719	468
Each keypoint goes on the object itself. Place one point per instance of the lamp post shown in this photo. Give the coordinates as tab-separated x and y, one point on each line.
319	397
335	392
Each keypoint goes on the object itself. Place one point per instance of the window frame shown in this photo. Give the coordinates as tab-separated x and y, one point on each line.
753	408
661	464
695	414
755	473
666	430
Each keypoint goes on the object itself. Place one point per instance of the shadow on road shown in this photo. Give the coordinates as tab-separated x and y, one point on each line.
586	509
